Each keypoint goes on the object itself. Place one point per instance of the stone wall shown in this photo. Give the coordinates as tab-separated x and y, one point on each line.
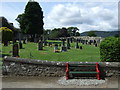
28	67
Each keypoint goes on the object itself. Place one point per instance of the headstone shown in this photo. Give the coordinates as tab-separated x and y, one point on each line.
68	44
95	44
63	48
63	44
77	46
45	43
81	47
40	45
56	48
24	41
15	50
71	40
20	45
35	40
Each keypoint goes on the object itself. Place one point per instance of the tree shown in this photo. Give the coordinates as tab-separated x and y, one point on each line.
6	35
91	34
77	34
4	23
110	49
72	31
31	21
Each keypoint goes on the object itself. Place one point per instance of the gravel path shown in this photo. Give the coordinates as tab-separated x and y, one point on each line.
80	82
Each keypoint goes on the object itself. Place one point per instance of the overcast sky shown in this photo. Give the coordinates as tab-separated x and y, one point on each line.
97	15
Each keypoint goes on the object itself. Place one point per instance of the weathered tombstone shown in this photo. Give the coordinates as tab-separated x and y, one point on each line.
95	44
71	40
56	48
63	44
35	40
64	48
45	43
20	45
40	45
24	41
60	45
68	44
77	46
86	41
15	50
81	47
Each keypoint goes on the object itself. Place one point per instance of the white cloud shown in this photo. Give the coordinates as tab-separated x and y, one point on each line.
97	16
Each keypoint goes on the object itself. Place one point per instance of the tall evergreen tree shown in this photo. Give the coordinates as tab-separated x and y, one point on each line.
31	21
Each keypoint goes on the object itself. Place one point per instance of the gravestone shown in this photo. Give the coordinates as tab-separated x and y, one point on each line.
81	47
24	41
95	44
45	43
63	48
40	45
15	50
20	45
68	44
71	40
77	46
56	49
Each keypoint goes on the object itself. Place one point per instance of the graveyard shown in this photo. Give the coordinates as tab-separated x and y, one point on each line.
88	53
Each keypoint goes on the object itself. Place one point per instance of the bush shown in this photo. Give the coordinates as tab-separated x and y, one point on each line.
110	49
6	35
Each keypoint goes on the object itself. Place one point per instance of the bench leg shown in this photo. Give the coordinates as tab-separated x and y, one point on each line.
98	76
66	76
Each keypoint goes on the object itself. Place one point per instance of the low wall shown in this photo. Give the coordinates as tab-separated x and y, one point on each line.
29	67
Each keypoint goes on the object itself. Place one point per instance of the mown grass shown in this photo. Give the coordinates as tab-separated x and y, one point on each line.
30	50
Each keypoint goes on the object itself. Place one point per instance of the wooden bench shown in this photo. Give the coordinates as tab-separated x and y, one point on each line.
82	69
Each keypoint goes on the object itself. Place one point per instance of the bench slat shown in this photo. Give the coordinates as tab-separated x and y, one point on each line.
83	72
83	68
82	65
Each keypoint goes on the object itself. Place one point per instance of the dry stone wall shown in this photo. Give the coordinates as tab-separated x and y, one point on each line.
28	67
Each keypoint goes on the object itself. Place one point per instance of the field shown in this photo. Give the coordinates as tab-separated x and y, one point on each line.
30	50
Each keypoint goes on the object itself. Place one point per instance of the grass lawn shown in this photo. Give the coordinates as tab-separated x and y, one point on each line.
30	50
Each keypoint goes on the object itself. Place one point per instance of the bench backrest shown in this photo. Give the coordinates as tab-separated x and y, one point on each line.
82	67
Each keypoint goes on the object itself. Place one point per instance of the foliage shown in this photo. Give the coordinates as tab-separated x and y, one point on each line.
77	34
31	21
91	34
6	33
61	32
72	31
116	35
5	23
110	49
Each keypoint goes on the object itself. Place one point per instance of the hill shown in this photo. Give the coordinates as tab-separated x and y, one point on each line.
102	33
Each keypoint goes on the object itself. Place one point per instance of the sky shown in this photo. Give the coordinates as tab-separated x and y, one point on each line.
87	15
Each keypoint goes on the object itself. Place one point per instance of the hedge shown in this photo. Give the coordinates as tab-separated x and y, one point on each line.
110	49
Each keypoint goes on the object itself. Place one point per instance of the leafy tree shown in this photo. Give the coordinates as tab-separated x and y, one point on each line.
6	35
4	23
77	34
91	34
31	21
110	49
72	31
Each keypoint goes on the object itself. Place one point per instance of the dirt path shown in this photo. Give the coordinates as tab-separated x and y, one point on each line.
49	82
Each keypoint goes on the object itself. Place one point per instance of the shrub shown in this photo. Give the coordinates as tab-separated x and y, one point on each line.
6	35
110	49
